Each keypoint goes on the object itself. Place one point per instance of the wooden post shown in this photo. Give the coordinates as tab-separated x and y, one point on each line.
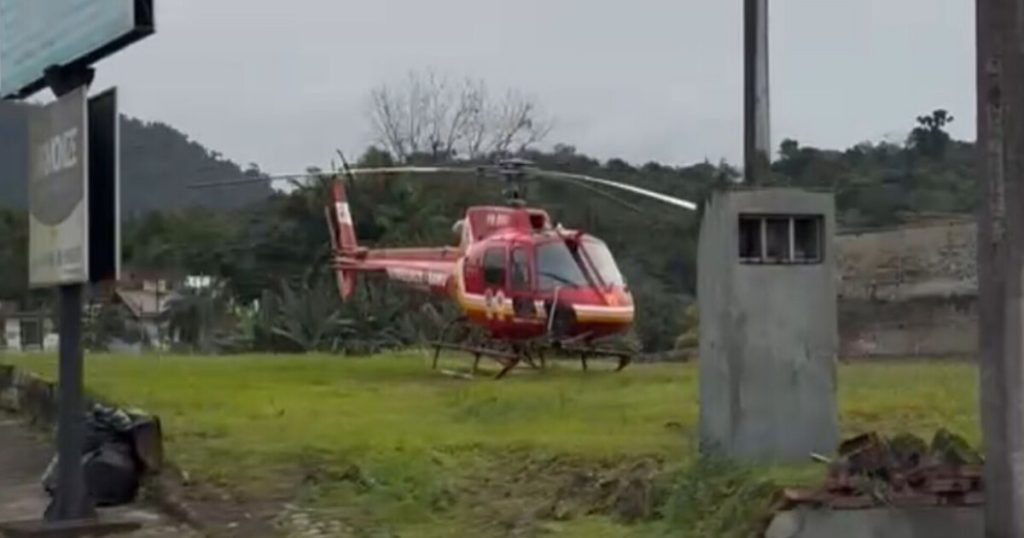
1000	65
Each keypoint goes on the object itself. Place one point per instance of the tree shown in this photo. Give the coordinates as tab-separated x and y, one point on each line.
429	118
930	138
789	149
195	316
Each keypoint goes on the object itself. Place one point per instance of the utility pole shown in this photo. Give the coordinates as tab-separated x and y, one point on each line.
756	110
1000	83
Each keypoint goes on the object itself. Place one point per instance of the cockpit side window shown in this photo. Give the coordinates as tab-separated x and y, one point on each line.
603	262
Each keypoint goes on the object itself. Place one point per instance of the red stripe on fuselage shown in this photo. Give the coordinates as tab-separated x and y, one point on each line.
428	269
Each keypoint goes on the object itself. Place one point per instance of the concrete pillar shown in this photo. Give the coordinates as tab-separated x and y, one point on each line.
768	336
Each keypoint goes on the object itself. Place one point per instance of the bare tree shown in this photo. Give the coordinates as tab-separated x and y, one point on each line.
430	116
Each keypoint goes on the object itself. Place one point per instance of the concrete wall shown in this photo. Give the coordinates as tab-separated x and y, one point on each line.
945	522
768	337
909	291
28	395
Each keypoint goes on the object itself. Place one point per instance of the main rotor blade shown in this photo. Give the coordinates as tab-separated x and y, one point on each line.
577	179
245	181
347	171
607	195
678	202
417	170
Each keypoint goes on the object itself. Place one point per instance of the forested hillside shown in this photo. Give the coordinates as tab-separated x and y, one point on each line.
157	164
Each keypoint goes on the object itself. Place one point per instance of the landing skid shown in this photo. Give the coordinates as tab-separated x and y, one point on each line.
533	353
585	353
508	361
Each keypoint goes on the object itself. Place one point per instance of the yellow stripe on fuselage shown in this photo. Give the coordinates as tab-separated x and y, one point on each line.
477	304
616	317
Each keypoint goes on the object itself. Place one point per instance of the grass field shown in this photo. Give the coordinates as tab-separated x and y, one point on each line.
394	449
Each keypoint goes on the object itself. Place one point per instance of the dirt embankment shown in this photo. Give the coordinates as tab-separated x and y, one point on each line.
909	291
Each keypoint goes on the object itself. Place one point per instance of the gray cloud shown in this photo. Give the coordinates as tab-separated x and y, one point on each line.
284	83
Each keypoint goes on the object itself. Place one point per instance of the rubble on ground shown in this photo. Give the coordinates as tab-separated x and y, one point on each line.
873	470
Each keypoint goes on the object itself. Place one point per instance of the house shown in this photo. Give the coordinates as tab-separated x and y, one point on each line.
140	303
131	314
24	330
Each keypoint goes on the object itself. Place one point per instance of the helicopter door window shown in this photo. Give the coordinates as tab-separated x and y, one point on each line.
494	267
520	270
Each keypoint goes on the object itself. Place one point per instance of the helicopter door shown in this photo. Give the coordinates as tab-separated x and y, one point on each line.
521	283
495	275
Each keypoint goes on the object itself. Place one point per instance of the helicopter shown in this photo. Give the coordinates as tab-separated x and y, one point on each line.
526	285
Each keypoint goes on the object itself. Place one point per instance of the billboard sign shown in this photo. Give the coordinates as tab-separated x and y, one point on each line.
104	188
58	192
38	34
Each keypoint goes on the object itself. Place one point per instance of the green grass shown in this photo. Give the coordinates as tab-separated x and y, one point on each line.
386	443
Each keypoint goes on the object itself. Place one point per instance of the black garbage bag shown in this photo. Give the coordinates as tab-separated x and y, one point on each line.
106	425
111	474
111	462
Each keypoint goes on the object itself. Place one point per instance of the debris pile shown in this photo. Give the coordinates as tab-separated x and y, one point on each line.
120	448
904	470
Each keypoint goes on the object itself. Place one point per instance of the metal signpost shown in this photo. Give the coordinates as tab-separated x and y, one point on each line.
74	202
59	255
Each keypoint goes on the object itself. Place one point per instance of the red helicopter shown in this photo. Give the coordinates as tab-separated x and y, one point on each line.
528	285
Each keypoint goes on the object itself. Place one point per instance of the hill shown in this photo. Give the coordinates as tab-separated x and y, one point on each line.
158	163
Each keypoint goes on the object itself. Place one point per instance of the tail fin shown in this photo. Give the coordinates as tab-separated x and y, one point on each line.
343	234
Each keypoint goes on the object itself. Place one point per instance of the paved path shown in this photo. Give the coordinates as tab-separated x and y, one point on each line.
23	458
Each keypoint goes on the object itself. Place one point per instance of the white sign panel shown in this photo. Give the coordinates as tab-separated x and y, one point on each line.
58	193
38	34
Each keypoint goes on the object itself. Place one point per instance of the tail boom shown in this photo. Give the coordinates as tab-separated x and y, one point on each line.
428	269
423	273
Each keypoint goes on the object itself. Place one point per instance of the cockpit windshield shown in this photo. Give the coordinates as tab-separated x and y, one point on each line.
604	262
557	267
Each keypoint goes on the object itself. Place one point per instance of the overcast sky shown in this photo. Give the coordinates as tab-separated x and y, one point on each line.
284	83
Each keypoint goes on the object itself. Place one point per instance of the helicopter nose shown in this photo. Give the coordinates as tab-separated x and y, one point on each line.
618	297
614	309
